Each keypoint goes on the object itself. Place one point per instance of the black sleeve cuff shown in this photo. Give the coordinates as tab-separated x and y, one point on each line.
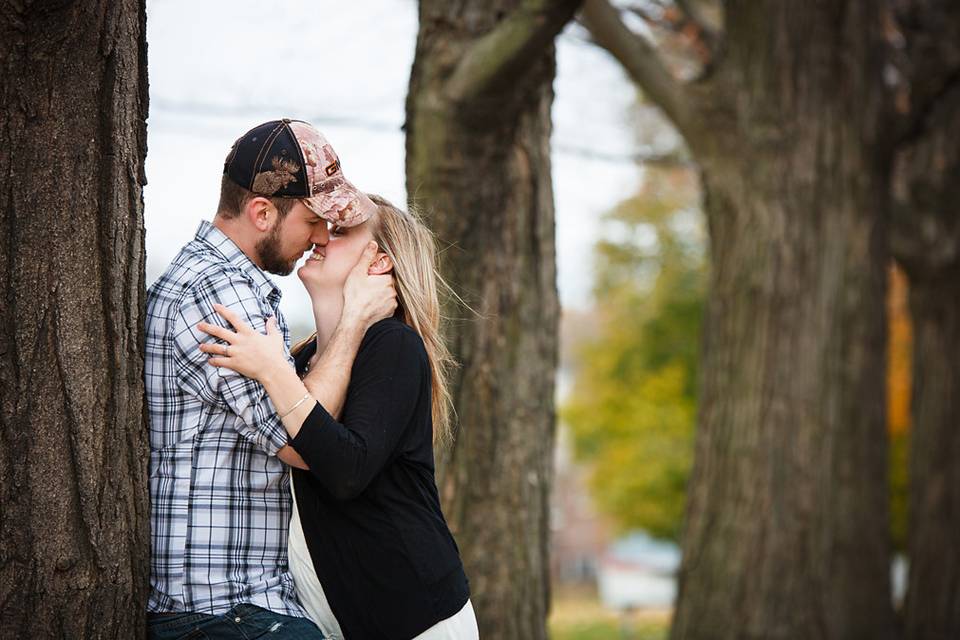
315	435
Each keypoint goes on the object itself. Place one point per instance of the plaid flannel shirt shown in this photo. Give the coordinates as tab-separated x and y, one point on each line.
220	498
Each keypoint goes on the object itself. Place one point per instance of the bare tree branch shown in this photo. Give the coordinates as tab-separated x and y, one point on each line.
922	39
509	49
707	33
639	58
700	40
667	159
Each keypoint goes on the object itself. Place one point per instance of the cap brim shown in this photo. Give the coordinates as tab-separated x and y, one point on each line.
345	206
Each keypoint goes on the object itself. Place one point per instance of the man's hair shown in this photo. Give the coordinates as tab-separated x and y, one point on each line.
233	198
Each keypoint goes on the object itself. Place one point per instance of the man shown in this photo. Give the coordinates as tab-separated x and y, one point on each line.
218	486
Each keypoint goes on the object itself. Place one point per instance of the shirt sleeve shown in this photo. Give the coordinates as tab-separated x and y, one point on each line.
389	381
222	388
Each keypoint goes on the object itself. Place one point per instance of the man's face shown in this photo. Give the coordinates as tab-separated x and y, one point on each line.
290	238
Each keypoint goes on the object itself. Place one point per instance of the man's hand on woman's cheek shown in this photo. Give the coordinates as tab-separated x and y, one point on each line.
367	298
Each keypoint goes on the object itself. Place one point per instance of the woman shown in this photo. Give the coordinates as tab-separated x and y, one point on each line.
369	548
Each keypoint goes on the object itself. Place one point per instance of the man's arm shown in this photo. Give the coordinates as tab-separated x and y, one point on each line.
289	456
390	379
327	380
366	300
227	390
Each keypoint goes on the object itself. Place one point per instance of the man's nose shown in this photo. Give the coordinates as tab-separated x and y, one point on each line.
320	235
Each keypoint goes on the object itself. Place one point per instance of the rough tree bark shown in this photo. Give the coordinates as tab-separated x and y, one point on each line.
478	164
74	539
786	533
926	242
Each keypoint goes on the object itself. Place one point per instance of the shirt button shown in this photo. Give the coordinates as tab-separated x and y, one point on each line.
237	619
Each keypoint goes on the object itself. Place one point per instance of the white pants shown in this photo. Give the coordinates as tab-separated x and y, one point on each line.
460	626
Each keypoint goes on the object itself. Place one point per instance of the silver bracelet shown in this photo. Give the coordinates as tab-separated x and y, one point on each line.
294	407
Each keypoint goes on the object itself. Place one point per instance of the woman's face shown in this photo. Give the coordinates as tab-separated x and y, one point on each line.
330	264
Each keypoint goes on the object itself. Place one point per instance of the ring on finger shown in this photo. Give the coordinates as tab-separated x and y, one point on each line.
226	351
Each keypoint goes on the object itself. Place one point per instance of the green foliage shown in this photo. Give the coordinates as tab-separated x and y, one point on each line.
633	405
632	409
899	488
899	392
606	629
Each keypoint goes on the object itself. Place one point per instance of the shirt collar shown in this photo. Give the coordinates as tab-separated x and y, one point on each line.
223	246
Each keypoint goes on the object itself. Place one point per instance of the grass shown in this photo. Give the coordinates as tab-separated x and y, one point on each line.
578	615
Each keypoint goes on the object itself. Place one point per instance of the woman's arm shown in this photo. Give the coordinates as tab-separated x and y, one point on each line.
263	358
366	299
389	392
390	382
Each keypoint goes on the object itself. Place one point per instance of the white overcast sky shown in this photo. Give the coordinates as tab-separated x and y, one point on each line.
218	68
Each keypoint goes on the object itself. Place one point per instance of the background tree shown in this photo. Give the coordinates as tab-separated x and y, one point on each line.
478	132
632	407
74	545
633	401
899	381
786	530
926	242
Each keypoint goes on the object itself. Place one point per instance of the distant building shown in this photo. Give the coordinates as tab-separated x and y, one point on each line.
579	535
638	572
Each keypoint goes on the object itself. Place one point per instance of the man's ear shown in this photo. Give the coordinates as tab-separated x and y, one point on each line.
381	264
260	213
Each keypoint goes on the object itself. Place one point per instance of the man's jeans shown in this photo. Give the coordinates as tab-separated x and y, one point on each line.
244	621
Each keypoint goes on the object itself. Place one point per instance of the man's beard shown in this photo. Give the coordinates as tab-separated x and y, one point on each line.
268	251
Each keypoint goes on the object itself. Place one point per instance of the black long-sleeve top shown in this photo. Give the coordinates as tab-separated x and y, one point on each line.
369	505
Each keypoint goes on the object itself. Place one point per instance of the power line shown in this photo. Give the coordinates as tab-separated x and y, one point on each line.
637	157
212	110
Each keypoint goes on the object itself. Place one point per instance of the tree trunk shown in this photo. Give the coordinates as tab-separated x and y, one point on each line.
787	528
926	241
74	542
478	164
786	533
932	608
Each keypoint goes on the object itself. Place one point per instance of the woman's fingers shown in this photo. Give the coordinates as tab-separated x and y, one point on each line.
219	362
217	331
215	348
245	351
272	326
232	318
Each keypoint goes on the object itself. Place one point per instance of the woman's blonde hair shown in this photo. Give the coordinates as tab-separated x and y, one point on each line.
412	249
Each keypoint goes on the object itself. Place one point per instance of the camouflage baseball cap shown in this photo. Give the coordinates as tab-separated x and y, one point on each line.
291	159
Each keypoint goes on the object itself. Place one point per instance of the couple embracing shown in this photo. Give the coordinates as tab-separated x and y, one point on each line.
293	491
